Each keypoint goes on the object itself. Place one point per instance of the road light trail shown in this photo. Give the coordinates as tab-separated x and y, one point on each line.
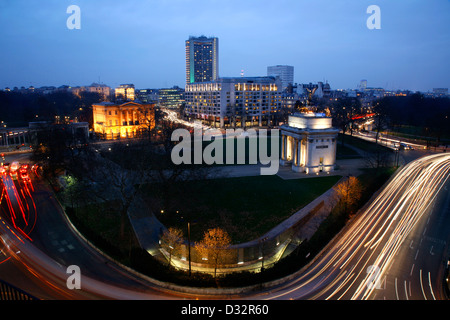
375	237
417	198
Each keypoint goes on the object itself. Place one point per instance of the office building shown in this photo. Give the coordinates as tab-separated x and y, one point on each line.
147	95
202	59
440	92
125	92
171	98
286	74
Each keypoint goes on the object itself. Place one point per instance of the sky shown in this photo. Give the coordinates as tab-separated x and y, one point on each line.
142	41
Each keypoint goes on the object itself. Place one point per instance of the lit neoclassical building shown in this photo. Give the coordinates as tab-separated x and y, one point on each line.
309	143
124	120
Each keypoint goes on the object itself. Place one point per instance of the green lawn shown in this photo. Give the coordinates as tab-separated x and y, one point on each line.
345	152
363	145
246	207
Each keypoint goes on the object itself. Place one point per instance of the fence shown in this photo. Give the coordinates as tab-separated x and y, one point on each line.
9	292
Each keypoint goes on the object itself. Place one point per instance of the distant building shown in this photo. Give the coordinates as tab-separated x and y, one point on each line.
45	89
286	74
202	59
246	101
170	98
103	90
363	85
125	120
147	95
309	143
321	90
125	92
440	92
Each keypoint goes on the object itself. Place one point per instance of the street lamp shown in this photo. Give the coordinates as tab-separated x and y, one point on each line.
262	241
189	246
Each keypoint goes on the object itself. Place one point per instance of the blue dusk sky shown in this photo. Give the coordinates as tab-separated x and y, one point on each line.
142	41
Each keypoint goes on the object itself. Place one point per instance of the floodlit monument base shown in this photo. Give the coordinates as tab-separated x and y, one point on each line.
309	143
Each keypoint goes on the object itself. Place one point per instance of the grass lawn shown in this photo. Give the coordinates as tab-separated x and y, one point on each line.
100	223
345	152
246	207
365	146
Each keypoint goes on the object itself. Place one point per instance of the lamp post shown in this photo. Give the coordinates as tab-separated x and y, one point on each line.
262	242
189	246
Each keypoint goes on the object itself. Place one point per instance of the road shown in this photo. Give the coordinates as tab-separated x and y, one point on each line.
417	272
36	259
394	249
402	234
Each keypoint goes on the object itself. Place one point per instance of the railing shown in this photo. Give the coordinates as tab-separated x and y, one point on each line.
9	292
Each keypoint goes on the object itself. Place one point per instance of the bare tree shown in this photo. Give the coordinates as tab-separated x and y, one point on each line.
379	158
381	116
343	112
172	239
147	120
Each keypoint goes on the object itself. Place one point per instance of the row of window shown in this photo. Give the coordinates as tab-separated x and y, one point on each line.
124	123
123	112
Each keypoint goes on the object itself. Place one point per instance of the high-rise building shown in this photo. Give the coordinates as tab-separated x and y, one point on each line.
286	74
202	59
363	85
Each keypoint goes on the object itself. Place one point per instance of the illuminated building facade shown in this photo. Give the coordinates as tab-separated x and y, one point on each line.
103	90
202	59
126	120
309	143
125	92
240	102
171	98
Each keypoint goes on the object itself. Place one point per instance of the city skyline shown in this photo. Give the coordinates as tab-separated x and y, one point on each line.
143	42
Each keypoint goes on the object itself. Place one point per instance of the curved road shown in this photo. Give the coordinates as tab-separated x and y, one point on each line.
394	249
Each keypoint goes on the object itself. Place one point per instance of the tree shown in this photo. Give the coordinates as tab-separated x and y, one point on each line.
343	111
51	147
378	158
147	120
214	247
348	192
172	239
380	108
119	183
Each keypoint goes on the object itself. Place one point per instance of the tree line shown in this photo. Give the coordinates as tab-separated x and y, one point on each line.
20	108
